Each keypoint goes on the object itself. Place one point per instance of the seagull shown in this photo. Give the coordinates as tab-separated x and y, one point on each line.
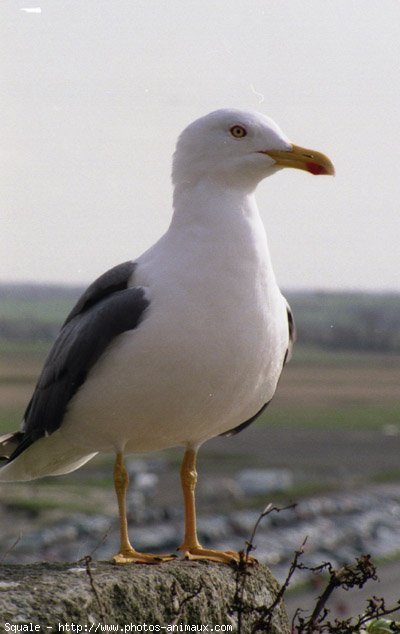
184	343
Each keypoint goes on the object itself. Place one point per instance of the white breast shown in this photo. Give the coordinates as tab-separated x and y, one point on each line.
208	353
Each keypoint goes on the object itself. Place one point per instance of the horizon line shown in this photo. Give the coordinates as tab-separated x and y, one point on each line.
285	289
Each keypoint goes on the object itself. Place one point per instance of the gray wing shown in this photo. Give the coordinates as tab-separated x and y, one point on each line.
115	279
292	334
287	357
107	309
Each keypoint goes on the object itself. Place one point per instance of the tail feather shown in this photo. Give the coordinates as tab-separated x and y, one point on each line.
8	444
49	455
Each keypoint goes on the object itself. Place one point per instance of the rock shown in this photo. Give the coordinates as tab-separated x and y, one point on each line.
163	535
211	528
243	522
215	489
177	592
260	481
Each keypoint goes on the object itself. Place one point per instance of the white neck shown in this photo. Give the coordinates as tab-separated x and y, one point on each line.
220	224
211	204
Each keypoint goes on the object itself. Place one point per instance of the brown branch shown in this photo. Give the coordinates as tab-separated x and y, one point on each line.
8	550
87	561
242	572
181	602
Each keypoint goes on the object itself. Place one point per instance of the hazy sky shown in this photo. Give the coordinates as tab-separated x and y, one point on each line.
95	92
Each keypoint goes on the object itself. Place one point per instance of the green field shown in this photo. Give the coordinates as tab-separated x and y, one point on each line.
323	392
318	388
344	374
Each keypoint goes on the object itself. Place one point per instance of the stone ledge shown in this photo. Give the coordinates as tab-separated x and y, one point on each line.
177	592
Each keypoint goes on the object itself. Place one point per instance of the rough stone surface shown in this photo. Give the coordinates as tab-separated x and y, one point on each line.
102	593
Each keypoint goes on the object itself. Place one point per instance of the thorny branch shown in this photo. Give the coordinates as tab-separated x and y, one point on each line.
293	567
178	603
10	548
87	560
346	577
349	576
242	572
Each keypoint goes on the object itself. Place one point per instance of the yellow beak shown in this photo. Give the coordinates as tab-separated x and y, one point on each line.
303	159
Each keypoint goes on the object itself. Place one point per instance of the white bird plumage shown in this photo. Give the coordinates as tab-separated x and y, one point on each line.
212	339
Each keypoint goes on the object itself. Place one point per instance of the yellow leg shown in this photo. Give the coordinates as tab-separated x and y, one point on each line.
191	547
127	553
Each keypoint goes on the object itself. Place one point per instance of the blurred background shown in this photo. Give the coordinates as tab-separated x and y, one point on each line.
94	95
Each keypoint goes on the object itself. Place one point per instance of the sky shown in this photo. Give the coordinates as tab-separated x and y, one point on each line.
95	93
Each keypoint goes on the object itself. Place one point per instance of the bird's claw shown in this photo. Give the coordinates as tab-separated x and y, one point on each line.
134	557
198	553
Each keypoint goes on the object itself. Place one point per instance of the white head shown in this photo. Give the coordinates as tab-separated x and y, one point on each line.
239	149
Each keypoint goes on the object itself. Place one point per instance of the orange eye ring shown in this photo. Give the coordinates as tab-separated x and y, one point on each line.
238	131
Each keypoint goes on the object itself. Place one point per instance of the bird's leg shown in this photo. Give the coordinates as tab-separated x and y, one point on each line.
189	480
191	547
127	553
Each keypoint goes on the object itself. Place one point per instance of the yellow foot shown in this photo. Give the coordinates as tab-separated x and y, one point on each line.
132	556
198	553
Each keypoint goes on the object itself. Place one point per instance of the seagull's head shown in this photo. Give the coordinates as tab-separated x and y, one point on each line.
239	148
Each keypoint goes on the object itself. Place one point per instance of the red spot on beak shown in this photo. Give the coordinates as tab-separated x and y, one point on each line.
316	169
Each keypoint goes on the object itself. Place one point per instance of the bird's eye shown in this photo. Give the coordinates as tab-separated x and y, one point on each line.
238	131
